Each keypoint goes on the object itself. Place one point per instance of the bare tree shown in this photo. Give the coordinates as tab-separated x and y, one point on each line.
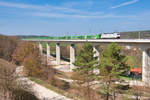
10	87
7	46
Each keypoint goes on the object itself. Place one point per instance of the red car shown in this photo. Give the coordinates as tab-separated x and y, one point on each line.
136	70
136	73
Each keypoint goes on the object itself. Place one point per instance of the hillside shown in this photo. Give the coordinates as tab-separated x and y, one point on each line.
135	35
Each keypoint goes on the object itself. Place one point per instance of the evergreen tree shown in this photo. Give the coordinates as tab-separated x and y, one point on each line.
113	63
86	63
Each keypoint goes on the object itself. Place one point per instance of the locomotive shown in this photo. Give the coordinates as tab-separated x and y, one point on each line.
110	36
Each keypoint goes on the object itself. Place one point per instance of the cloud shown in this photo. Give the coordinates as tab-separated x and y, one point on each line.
125	4
47	8
18	5
56	15
36	7
50	11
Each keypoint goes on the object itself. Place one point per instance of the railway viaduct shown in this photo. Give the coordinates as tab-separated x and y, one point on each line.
143	44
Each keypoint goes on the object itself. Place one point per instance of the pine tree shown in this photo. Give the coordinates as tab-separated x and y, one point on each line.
113	63
86	63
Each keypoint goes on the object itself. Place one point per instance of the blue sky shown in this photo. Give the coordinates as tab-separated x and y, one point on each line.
72	17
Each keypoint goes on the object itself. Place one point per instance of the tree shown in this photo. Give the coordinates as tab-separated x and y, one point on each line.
23	50
7	46
10	86
84	72
27	54
113	63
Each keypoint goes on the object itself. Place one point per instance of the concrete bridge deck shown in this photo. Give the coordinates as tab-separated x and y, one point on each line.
92	40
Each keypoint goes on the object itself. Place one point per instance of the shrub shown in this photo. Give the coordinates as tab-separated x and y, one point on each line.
60	84
21	94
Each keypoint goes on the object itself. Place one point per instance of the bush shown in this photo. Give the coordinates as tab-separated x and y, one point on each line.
48	73
82	92
21	94
60	84
32	66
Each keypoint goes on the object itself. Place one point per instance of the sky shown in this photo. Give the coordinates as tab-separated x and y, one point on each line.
72	17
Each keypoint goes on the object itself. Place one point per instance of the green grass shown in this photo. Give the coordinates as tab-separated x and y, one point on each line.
128	78
37	80
125	77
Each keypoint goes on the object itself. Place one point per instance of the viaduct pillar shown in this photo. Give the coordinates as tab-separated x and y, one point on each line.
72	55
145	66
96	53
48	51
58	53
40	48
